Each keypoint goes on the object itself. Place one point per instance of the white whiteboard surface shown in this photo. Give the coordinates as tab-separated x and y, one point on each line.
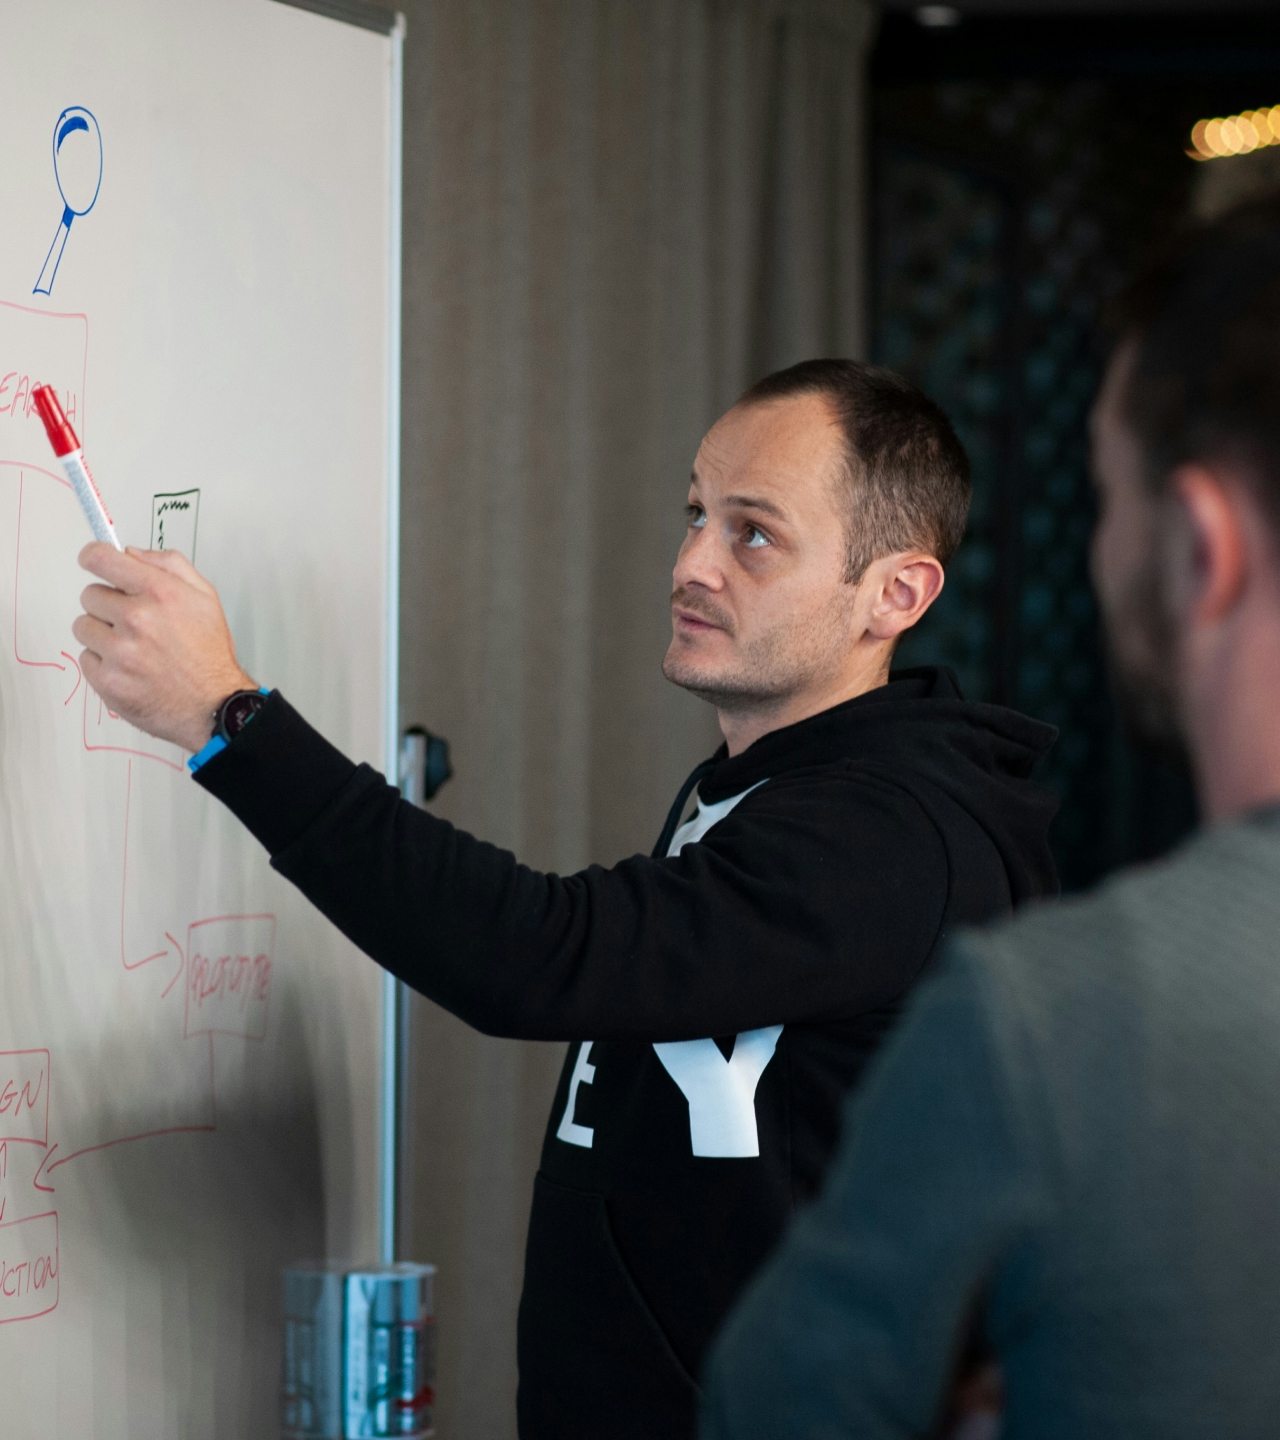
189	1083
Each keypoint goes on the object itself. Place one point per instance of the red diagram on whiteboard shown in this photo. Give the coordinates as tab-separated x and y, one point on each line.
225	965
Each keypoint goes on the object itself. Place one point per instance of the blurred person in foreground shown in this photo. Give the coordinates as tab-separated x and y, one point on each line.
1073	1142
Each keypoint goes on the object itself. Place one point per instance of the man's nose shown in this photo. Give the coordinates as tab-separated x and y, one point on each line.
700	561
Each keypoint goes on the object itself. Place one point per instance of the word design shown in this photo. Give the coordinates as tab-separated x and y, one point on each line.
24	1096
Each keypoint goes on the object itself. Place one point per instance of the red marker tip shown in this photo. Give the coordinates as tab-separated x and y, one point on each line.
61	436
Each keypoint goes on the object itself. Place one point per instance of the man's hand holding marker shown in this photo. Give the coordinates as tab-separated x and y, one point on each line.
157	645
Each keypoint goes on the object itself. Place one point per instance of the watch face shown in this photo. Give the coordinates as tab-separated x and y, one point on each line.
238	710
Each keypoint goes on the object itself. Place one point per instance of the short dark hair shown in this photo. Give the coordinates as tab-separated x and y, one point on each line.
1205	383
908	475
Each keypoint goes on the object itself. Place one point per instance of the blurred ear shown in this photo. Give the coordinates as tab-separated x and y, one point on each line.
902	589
1207	550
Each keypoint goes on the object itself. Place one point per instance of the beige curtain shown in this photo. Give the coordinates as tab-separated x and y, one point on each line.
618	213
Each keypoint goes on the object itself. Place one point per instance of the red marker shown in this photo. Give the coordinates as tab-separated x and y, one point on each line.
67	448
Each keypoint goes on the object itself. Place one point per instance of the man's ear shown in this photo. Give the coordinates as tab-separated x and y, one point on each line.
1207	552
904	587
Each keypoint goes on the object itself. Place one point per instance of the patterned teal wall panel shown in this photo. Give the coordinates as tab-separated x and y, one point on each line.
1004	220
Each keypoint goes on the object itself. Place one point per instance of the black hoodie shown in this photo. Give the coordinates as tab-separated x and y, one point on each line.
721	997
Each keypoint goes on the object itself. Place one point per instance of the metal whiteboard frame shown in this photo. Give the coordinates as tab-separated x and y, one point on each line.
389	1127
363	13
368	16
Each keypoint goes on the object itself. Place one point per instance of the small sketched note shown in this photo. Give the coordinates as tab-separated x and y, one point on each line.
173	522
229	975
77	167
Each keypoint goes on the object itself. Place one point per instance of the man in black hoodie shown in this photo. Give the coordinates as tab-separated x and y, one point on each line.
721	995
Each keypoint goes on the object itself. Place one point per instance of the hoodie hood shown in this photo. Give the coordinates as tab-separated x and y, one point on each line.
920	730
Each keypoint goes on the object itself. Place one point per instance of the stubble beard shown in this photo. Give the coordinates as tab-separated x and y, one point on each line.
767	671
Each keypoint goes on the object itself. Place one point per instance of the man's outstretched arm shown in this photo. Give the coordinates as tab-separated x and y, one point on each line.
660	950
857	1324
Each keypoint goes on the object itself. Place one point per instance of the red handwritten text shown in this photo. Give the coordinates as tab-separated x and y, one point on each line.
15	396
24	1095
38	346
28	1267
229	975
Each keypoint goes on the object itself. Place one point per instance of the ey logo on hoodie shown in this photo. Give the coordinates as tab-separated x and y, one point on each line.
721	1093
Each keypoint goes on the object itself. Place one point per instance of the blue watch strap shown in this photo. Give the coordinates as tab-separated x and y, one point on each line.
217	745
214	747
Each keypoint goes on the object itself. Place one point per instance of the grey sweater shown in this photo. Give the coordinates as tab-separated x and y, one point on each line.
1074	1136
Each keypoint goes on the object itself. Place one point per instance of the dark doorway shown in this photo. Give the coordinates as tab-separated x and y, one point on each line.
1020	169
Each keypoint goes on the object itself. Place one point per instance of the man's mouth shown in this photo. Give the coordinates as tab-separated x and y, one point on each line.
691	613
691	620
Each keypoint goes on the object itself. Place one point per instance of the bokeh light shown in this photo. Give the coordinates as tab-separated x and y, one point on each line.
1235	134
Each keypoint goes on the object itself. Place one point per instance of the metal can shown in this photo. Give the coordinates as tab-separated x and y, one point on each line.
389	1352
312	1380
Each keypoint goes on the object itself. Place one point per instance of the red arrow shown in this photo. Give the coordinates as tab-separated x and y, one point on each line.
48	1155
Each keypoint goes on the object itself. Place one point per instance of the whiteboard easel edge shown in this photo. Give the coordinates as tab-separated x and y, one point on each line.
362	13
389	1118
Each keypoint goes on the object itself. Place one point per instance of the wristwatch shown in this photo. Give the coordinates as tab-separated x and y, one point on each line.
229	719
236	711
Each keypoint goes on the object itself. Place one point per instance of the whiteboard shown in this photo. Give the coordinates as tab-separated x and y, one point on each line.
189	1076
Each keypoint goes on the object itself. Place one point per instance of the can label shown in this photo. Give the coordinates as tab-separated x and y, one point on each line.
390	1374
401	1396
312	1389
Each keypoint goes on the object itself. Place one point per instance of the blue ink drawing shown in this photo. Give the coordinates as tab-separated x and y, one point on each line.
77	167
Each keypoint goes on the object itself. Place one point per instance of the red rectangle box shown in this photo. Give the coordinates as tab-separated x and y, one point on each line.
28	1267
105	730
24	1096
229	975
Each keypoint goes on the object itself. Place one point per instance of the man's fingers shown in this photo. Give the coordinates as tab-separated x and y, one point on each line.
176	563
104	602
156	641
95	671
133	570
93	634
90	666
126	572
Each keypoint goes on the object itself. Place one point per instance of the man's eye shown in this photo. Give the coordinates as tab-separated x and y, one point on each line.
756	539
697	516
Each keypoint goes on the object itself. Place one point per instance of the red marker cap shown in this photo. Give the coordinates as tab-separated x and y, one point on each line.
61	436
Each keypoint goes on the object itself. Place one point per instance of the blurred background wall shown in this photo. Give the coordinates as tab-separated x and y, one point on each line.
618	214
1022	165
